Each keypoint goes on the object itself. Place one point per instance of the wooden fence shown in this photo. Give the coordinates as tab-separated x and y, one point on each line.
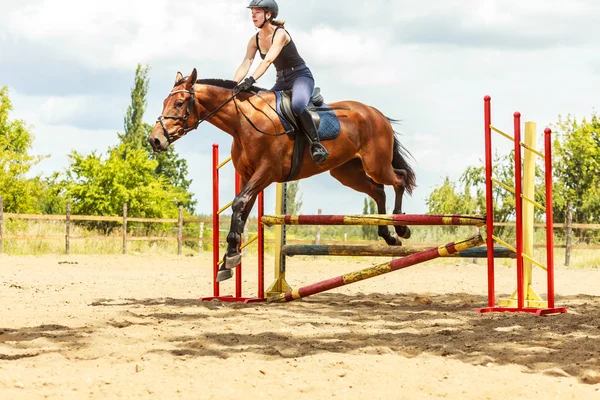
123	219
180	221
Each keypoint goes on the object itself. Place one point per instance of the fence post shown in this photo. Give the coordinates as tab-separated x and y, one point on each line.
476	231
68	229
180	232
124	228
1	220
569	233
200	242
318	230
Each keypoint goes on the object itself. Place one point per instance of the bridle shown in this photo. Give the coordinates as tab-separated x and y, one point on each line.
191	106
185	129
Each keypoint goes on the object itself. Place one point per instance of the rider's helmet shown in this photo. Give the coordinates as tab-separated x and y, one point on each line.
267	5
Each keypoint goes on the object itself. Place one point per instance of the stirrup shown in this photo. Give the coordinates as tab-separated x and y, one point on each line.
318	153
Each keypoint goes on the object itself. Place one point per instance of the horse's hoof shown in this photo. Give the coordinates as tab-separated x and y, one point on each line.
233	261
405	233
224	274
393	240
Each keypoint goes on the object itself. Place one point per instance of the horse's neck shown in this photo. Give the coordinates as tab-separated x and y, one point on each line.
210	99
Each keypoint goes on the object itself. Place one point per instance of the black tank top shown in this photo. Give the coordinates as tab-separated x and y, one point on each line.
287	58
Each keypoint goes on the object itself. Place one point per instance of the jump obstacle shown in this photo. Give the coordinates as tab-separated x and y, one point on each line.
280	290
526	300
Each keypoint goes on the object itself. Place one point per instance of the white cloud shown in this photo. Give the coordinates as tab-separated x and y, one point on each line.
339	48
77	110
114	33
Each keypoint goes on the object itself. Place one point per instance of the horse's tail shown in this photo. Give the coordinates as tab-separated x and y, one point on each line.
399	161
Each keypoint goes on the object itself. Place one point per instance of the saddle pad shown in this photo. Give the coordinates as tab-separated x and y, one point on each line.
329	127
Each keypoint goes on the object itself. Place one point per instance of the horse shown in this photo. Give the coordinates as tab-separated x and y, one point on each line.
365	156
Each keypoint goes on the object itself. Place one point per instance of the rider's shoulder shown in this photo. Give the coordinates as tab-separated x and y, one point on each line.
282	33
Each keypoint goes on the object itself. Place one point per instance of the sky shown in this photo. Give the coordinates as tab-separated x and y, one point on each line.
70	66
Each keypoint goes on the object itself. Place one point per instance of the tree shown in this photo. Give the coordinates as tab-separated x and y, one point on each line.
577	170
135	130
294	198
100	186
468	194
446	199
20	193
369	207
53	198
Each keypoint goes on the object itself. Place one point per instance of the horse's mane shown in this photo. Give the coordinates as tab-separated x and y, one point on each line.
222	83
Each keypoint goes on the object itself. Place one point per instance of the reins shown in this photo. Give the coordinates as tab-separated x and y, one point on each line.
192	106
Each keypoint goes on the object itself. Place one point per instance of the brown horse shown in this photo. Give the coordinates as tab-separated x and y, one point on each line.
365	156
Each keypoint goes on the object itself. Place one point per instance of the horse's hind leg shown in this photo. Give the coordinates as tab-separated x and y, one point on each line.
352	174
388	175
402	230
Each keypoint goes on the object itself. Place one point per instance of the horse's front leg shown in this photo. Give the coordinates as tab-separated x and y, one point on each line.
242	205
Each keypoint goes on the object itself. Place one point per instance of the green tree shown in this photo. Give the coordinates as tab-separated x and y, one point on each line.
53	198
20	193
135	130
468	194
369	232
448	199
577	170
100	186
294	198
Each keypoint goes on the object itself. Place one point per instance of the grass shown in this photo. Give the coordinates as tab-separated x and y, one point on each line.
41	244
49	237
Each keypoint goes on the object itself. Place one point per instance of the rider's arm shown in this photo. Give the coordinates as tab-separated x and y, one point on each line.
247	62
280	40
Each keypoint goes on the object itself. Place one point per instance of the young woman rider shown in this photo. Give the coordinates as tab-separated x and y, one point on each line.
292	73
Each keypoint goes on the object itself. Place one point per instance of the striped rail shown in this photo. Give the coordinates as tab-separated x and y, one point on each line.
375	219
385	251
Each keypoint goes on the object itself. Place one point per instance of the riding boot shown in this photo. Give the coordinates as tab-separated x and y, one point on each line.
318	152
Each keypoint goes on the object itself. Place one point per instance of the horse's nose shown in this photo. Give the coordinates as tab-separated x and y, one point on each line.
156	144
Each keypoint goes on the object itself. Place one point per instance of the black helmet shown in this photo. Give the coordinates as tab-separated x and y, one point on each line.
267	5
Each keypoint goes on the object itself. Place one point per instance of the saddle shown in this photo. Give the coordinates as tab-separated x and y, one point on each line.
327	123
285	105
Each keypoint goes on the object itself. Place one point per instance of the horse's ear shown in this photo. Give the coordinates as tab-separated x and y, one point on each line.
178	78
192	78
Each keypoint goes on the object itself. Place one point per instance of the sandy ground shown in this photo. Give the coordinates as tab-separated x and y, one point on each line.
131	327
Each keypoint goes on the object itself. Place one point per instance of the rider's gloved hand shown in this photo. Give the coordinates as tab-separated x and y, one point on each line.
245	85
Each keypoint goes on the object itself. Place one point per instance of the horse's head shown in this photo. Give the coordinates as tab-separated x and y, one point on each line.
179	114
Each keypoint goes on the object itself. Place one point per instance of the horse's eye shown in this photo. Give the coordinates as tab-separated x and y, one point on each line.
179	103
